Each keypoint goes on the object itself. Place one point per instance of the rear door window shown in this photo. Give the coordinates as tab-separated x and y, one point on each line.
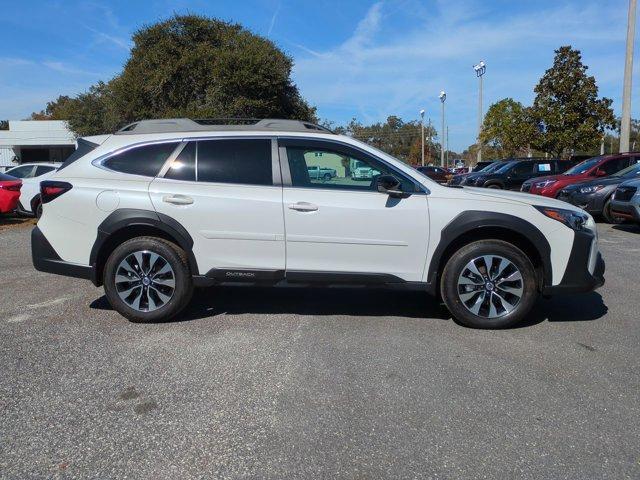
238	161
146	160
544	168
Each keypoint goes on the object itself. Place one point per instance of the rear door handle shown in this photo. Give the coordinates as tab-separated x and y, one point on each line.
177	199
303	207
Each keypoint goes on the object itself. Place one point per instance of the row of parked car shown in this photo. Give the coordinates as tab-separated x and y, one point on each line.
605	185
20	187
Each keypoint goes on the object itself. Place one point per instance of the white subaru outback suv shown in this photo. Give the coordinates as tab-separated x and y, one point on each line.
163	206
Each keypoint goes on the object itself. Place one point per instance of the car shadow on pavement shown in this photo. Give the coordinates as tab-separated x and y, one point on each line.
567	308
627	227
367	302
238	300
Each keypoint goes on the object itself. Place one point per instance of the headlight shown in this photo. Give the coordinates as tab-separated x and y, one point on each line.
572	219
592	189
545	183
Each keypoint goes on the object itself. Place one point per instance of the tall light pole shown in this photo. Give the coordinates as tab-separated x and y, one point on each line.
625	125
480	68
422	134
443	97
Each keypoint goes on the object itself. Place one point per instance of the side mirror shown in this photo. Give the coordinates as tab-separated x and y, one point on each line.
600	173
391	186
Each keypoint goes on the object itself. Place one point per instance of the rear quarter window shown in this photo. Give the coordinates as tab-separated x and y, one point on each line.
145	160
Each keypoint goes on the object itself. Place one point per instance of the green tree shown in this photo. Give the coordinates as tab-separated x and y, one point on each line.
567	108
395	137
508	128
189	66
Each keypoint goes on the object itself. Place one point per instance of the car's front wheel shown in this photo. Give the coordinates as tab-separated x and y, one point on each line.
147	279
489	284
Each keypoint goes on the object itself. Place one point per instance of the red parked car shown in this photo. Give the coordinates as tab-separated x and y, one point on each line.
589	169
9	193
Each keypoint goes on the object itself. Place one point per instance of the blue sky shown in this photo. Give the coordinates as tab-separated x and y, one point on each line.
352	58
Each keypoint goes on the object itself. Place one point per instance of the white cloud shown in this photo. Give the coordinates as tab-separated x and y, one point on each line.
398	57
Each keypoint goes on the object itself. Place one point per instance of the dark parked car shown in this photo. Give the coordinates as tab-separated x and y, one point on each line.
461	179
481	165
594	196
438	174
512	175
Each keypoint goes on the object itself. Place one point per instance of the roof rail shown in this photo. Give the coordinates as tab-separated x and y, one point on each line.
170	125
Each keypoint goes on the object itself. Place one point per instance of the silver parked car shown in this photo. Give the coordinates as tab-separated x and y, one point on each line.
626	201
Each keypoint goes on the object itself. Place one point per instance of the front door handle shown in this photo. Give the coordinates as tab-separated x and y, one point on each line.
177	199
303	207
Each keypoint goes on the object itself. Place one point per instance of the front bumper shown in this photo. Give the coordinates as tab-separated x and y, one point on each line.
626	210
585	269
594	204
46	259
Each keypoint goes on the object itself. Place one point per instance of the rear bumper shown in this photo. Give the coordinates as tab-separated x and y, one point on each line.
46	259
8	201
585	269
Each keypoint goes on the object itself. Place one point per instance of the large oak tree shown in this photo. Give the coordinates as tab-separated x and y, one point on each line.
189	66
567	109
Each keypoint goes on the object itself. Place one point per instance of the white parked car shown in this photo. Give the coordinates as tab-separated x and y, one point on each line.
162	206
32	174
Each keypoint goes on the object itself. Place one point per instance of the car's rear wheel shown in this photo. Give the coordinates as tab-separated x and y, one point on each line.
495	185
327	177
489	284
147	279
607	214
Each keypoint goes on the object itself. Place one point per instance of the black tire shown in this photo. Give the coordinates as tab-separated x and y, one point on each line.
607	214
174	256
327	177
495	185
454	268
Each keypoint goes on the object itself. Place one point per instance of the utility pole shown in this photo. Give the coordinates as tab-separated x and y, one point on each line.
447	150
422	135
429	142
443	97
480	68
625	126
602	145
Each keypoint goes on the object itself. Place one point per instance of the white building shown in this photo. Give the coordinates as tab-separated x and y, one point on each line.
29	141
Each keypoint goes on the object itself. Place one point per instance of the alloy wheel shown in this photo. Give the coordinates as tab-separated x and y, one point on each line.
490	286
145	281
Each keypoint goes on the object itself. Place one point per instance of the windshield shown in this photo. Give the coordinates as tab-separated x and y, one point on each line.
630	171
503	168
492	167
583	167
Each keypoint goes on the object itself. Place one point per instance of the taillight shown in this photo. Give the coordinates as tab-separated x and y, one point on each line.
14	187
50	189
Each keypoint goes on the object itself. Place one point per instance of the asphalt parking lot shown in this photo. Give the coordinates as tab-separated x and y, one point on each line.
295	383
